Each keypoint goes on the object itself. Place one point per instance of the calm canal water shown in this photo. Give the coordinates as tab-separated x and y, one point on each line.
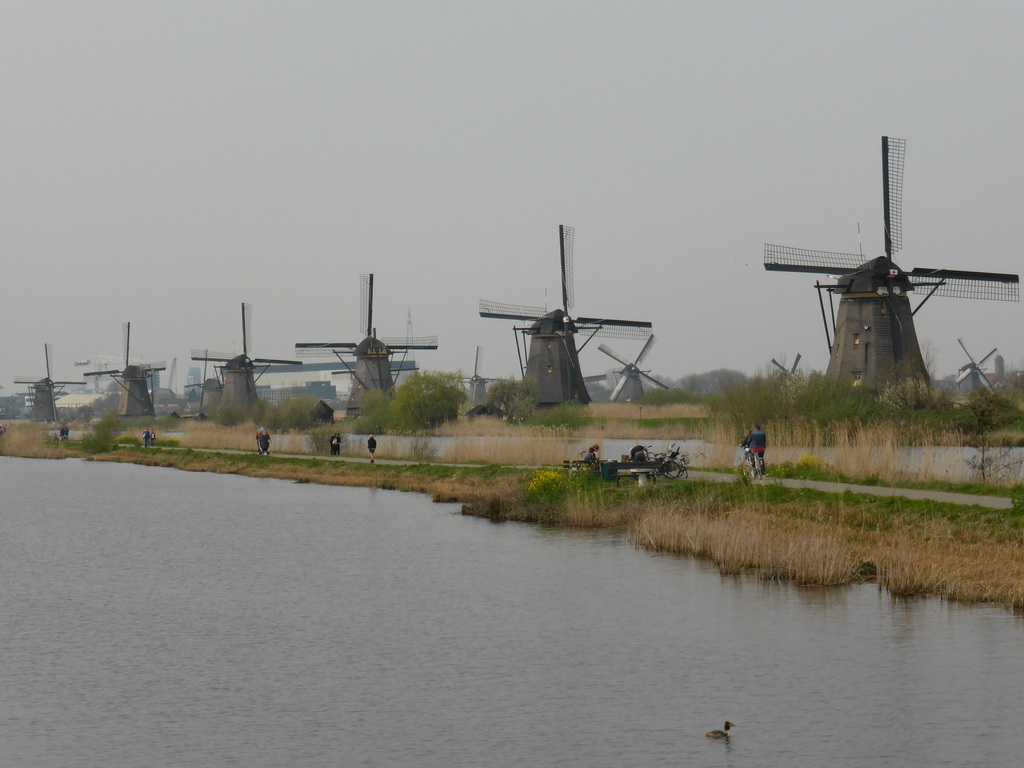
152	617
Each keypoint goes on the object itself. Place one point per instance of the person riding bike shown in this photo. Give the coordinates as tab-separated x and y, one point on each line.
756	442
638	453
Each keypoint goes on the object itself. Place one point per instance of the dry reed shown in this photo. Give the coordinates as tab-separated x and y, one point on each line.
32	441
748	540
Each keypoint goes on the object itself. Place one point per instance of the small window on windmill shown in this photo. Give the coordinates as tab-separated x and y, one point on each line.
856	339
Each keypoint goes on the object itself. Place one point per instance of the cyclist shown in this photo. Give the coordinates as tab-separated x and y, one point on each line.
638	453
756	441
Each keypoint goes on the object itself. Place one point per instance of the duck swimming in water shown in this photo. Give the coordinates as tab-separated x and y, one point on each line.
717	734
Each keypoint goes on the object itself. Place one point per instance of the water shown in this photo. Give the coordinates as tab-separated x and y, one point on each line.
161	618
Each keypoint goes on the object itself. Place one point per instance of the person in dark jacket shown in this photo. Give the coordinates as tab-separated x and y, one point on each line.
638	453
371	446
757	441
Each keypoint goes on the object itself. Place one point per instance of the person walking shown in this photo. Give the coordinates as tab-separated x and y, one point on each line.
335	444
145	438
371	446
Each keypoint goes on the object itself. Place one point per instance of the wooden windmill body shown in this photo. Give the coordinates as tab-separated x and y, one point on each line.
239	373
136	382
371	362
44	392
552	356
873	340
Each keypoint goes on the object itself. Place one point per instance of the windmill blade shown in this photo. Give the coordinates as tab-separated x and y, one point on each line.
969	356
966	371
273	361
618	388
510	311
126	333
783	258
893	151
796	363
565	236
648	346
614	356
46	351
653	380
407	342
366	304
962	284
213	357
476	363
986	357
778	365
618	332
246	328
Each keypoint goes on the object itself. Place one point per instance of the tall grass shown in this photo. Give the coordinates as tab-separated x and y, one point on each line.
747	540
33	441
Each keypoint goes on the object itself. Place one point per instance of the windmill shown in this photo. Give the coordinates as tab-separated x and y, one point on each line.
45	390
972	376
791	370
211	389
477	384
630	385
553	357
238	384
373	367
135	378
875	341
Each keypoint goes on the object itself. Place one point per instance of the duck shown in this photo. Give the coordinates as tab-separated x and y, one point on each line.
717	734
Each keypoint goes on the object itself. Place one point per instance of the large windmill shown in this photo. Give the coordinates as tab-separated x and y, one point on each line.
45	390
553	356
135	380
874	341
238	372
373	367
629	387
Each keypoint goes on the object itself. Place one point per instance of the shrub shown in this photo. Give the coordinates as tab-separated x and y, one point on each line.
548	486
375	416
515	398
101	439
427	399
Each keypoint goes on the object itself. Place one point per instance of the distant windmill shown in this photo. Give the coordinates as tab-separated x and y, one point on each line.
781	367
239	371
973	373
630	385
45	390
553	356
135	380
477	384
875	339
373	367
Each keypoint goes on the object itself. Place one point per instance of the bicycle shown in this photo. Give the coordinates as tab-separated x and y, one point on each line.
754	464
672	464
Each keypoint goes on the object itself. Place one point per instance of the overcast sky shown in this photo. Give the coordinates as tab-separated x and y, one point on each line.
161	163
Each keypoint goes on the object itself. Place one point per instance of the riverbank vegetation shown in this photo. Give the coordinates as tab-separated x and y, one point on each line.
769	531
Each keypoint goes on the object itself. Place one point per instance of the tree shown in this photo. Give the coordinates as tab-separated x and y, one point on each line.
426	399
981	415
375	414
516	398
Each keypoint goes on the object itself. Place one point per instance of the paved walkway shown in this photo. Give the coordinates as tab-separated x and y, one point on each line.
963	499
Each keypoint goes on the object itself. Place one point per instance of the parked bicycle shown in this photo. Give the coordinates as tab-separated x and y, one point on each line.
673	463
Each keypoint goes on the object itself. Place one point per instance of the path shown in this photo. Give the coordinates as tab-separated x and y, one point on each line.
962	499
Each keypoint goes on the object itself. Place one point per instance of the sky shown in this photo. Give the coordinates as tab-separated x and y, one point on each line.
161	163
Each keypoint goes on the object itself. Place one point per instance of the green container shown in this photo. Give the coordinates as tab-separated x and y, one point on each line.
609	469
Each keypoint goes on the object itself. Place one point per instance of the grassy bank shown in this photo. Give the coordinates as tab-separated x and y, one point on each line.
811	538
